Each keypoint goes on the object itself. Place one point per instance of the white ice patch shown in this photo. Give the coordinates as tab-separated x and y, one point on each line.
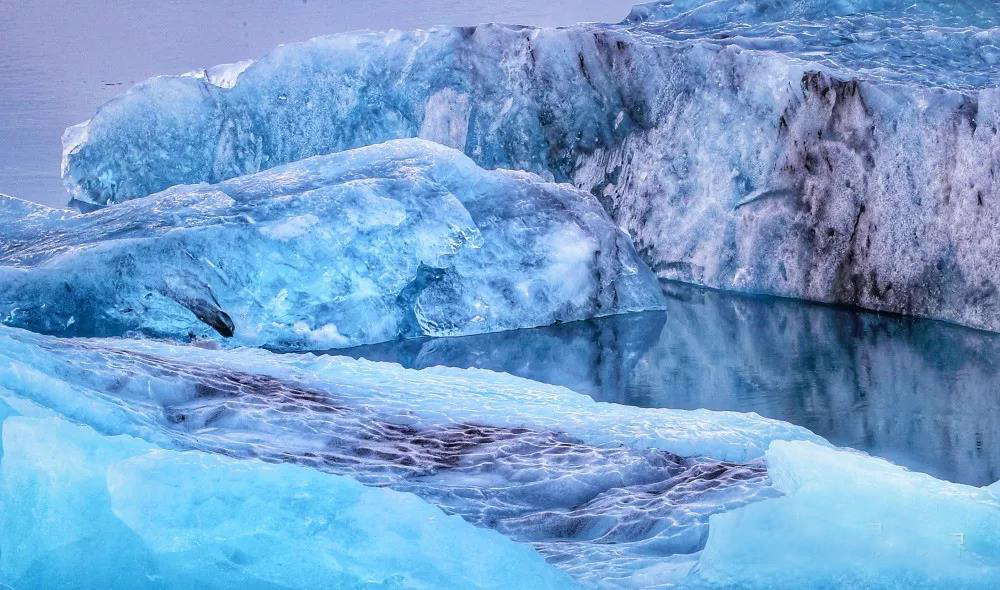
326	336
290	227
222	75
73	137
571	256
446	118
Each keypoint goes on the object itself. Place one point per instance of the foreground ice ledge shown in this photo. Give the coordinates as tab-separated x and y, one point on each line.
77	499
741	159
399	239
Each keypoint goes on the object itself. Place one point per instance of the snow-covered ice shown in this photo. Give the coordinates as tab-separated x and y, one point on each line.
399	239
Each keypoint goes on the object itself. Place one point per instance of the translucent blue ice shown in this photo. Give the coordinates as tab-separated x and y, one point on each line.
83	511
840	151
615	496
399	239
852	521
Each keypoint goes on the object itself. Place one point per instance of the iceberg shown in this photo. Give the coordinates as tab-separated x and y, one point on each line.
610	494
849	520
399	239
834	151
188	462
82	510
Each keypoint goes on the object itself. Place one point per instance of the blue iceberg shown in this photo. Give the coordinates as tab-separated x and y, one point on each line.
217	463
836	151
538	463
373	187
82	510
399	239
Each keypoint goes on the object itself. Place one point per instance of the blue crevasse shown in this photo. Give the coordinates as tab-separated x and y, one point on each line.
835	151
400	239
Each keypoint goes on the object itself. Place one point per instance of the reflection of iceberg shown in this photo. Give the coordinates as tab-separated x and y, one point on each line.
860	137
400	239
918	392
597	488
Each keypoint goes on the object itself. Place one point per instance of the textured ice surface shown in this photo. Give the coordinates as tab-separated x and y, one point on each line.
82	510
615	496
851	521
954	43
838	151
611	494
399	239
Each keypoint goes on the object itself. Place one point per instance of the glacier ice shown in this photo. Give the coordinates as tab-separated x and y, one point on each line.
615	496
609	493
853	521
399	239
82	510
836	151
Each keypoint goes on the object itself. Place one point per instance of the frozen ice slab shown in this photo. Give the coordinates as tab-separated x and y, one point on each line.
399	239
132	374
82	510
837	151
611	494
848	520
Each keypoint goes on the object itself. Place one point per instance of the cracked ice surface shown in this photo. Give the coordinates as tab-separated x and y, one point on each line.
399	239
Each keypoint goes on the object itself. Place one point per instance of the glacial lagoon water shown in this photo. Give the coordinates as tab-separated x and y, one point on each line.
920	393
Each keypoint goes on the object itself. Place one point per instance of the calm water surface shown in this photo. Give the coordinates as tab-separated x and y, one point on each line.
923	394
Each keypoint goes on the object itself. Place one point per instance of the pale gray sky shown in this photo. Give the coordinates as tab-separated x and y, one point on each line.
61	59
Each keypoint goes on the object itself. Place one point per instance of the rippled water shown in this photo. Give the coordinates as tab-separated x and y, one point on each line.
923	394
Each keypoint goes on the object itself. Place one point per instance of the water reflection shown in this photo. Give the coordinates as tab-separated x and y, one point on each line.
923	394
